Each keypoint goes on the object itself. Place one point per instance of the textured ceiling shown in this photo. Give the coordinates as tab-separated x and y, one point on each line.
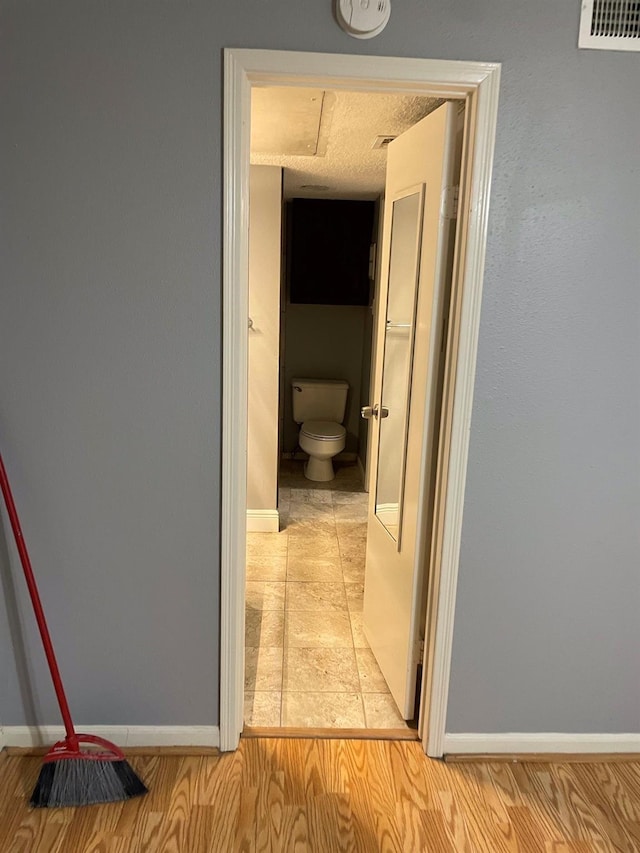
345	162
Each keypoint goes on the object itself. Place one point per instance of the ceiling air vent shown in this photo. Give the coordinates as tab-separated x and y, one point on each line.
610	24
383	141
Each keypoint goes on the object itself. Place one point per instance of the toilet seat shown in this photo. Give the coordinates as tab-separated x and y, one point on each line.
323	430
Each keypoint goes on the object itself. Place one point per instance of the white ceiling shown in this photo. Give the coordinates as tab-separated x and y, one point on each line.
325	138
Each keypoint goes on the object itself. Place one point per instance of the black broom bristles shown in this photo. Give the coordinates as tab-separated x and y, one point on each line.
85	781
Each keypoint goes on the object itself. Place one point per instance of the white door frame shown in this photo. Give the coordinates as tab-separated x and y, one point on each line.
478	82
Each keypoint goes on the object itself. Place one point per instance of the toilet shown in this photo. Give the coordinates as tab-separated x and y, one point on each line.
319	406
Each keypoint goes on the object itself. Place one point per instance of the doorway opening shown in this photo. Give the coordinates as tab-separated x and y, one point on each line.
464	82
317	184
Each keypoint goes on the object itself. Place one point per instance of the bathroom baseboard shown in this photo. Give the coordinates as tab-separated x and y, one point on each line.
300	456
263	521
362	473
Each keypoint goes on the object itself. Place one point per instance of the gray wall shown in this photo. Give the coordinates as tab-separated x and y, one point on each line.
110	356
324	342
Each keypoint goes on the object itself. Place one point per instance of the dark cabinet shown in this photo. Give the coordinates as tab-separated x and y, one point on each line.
327	251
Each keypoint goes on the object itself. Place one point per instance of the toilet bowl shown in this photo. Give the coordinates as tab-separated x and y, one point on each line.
319	406
322	440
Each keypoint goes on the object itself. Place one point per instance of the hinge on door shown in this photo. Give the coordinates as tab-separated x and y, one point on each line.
449	207
419	651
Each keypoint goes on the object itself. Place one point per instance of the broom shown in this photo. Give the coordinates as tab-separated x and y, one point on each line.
71	775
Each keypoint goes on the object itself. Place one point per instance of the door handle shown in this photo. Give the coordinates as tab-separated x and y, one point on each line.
376	411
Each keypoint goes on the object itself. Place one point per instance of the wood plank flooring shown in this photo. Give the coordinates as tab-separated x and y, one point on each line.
335	795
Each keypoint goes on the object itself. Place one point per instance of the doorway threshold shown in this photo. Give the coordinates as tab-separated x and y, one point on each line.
329	733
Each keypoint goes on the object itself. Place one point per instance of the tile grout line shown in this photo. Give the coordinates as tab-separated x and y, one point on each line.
334	531
353	642
287	593
284	622
344	590
353	639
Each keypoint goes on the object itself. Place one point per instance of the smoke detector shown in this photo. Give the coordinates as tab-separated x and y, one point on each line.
363	19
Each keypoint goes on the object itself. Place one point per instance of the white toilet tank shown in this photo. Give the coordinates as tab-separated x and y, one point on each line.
319	399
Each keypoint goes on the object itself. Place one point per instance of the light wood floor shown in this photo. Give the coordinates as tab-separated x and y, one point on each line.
326	795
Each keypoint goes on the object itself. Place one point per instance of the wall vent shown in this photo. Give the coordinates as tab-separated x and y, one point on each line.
383	141
610	24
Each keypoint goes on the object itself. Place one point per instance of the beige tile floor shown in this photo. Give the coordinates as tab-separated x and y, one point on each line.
307	661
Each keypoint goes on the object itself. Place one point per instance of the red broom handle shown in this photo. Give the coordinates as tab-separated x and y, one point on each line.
37	608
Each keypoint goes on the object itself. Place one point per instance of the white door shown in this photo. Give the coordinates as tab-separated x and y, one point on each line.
414	296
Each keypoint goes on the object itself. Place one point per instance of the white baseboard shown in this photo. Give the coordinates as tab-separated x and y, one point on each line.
123	736
263	521
362	473
516	743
